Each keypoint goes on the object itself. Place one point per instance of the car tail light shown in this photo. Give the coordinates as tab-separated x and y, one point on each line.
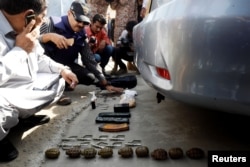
163	73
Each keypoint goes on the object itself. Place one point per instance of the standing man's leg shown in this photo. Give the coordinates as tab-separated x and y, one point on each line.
98	6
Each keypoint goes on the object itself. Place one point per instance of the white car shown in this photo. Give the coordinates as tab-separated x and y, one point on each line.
197	52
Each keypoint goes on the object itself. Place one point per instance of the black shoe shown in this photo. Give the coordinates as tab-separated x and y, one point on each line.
121	71
34	120
7	151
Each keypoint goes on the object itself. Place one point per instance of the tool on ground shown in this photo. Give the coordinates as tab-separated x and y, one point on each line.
114	127
134	143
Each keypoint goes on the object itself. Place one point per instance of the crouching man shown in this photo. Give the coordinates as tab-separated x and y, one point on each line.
22	63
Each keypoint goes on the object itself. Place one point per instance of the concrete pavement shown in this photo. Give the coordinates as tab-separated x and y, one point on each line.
165	125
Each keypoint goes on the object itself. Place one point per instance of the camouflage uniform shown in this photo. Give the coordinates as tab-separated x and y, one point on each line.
98	7
126	10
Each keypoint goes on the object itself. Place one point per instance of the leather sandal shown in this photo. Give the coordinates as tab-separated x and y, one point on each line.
64	100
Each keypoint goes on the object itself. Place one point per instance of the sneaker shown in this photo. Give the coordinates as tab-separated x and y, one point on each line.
64	100
7	152
34	120
121	71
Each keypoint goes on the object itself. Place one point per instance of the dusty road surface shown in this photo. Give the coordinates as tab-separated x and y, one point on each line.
164	125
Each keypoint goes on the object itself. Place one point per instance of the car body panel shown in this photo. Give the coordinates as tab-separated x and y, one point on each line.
205	46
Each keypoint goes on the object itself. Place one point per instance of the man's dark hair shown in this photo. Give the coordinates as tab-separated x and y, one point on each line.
130	25
13	7
100	18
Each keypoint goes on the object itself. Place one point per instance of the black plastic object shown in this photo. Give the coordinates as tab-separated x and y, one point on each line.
121	108
129	81
93	104
113	114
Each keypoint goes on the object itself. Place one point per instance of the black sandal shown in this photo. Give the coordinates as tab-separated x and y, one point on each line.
34	120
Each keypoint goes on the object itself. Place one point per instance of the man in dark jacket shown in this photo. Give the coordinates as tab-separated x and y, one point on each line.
64	38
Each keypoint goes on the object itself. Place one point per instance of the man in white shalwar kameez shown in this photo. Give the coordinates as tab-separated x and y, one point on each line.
22	60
